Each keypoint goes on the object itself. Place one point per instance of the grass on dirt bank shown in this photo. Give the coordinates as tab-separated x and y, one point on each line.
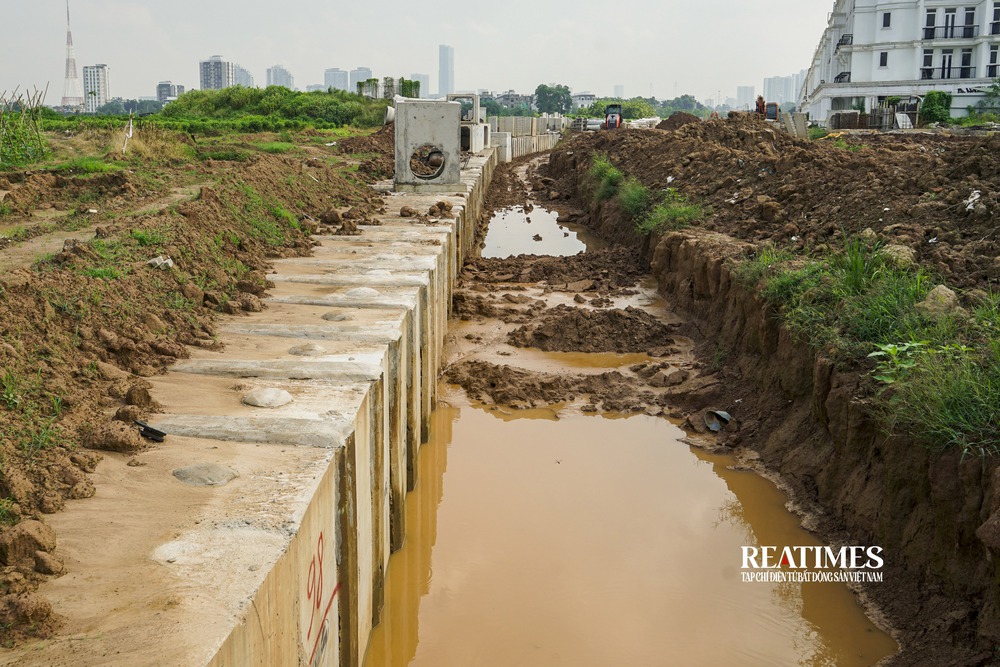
651	211
939	374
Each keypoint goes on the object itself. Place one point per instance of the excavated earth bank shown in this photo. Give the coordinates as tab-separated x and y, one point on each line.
933	512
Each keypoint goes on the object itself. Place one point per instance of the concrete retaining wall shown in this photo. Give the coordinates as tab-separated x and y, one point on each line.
388	292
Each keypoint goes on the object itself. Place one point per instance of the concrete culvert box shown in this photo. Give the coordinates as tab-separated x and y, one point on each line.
428	156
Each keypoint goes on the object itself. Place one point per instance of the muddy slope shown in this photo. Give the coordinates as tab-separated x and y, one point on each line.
931	511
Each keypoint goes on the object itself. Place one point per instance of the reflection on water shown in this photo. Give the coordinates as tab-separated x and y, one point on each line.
514	232
592	541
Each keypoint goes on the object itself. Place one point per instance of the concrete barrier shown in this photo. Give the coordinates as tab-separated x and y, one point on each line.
285	564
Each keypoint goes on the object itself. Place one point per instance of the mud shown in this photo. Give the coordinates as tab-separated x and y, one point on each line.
567	329
678	120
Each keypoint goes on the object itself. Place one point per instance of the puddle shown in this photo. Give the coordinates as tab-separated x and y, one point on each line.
512	232
586	540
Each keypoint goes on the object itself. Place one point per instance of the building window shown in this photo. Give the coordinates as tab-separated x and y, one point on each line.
995	25
883	59
886	19
927	70
930	24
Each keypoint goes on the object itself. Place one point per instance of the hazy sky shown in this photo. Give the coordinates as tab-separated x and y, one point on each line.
658	47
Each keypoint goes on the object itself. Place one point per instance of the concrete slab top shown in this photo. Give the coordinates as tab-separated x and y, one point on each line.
348	318
330	433
251	346
364	369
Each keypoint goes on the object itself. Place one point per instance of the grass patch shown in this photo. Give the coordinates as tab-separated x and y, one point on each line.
672	212
276	147
225	155
818	133
605	178
634	198
148	237
87	165
939	375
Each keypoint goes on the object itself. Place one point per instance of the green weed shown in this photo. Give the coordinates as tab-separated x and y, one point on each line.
672	212
87	165
276	147
148	237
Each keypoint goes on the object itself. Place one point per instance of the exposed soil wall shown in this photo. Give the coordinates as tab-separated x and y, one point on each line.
931	511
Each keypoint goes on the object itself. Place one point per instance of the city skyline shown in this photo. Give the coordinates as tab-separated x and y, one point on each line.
145	42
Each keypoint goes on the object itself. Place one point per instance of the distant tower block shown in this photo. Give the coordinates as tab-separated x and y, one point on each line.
72	91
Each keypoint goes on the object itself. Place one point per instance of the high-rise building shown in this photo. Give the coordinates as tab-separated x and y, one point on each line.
96	85
746	97
446	70
620	91
337	79
242	76
167	91
72	93
279	76
873	50
425	83
316	88
216	73
358	75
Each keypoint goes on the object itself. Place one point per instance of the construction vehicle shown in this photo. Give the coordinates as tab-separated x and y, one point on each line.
612	117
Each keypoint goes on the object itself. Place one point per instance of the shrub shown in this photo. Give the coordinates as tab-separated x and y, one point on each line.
936	107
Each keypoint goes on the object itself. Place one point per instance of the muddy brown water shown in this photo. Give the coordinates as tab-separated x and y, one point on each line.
550	537
588	540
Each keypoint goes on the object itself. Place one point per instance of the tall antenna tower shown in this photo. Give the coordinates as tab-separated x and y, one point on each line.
72	92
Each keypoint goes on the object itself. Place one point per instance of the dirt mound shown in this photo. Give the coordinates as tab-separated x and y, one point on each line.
677	120
937	194
602	270
566	329
380	146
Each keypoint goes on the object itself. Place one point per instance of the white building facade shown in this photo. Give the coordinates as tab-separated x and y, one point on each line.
337	79
96	87
874	49
581	100
277	75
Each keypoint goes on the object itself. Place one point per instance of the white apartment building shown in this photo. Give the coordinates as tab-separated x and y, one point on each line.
96	87
873	49
277	75
581	100
337	79
746	96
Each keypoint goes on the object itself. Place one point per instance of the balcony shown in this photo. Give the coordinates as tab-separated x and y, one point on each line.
845	40
945	73
843	77
952	32
995	28
991	71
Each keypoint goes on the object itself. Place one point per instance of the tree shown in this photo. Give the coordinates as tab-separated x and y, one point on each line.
553	99
936	107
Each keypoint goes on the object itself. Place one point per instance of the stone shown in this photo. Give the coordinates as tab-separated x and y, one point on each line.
114	437
581	286
669	377
161	262
128	414
362	292
941	302
46	563
330	217
338	317
205	474
22	541
138	394
900	256
519	299
110	371
268	398
407	212
309	350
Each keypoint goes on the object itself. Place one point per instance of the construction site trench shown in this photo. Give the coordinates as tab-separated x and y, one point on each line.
500	425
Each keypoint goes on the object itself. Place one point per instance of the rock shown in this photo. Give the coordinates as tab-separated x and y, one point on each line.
29	608
114	437
268	398
941	302
161	262
669	377
331	217
770	211
579	298
128	414
407	212
46	563
536	237
23	540
205	474
900	256
338	317
110	371
580	286
249	302
138	394
50	503
309	350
